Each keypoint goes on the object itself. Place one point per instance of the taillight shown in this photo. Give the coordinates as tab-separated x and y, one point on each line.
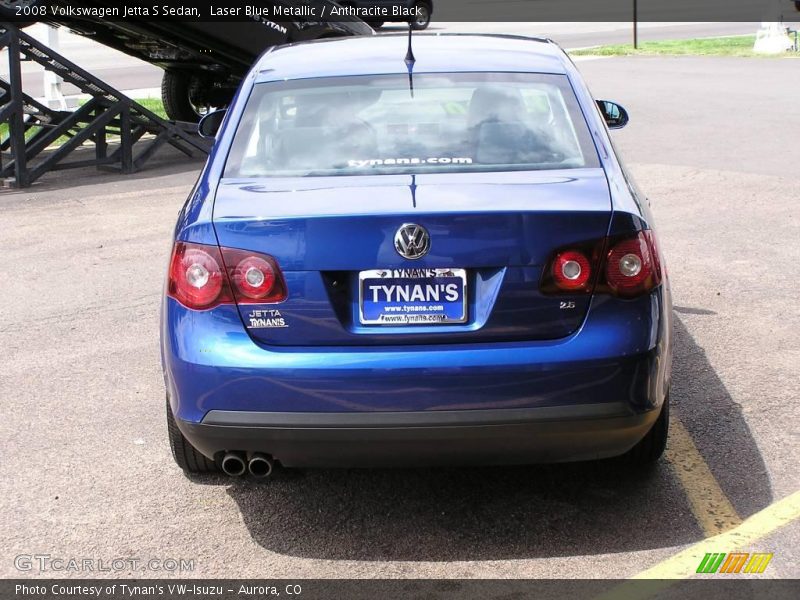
632	266
571	270
256	278
626	266
200	277
196	278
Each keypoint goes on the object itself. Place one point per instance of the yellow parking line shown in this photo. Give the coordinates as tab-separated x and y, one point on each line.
758	526
712	509
684	564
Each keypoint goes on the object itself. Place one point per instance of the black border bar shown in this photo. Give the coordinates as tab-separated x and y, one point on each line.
708	588
309	11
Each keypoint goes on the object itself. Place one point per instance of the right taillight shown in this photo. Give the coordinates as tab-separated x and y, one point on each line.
631	266
203	276
625	266
571	270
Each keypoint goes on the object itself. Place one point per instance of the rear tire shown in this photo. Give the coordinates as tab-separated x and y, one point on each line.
185	455
651	447
176	95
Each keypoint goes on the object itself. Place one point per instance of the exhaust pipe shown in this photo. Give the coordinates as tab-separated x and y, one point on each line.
260	466
233	465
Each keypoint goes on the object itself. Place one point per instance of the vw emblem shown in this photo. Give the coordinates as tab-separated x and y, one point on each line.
412	241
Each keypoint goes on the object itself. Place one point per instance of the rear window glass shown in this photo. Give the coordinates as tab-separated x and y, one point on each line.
373	125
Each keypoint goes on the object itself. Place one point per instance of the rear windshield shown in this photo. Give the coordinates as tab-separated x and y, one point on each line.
390	124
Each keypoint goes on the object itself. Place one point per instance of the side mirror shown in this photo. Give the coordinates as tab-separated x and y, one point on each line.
615	115
209	124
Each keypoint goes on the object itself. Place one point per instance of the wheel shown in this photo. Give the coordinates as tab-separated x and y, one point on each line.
650	449
423	16
175	91
184	96
185	455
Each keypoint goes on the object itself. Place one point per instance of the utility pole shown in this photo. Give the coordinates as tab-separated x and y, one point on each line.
636	24
53	97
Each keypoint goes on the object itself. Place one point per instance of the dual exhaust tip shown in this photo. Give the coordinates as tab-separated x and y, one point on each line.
258	465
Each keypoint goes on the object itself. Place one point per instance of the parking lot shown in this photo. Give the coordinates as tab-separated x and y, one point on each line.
86	468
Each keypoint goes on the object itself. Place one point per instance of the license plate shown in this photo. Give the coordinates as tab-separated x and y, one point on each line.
412	296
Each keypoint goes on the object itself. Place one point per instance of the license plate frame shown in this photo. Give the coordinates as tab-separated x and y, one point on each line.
452	313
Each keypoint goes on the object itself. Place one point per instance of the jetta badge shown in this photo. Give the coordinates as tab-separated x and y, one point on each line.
412	241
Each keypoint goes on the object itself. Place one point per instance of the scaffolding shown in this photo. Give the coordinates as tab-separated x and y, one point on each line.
125	134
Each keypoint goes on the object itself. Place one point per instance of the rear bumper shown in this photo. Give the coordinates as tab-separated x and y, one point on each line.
620	354
552	434
591	395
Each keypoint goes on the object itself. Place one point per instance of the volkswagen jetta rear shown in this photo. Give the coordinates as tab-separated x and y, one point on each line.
435	261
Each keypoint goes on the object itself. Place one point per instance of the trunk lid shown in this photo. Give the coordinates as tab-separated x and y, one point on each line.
499	228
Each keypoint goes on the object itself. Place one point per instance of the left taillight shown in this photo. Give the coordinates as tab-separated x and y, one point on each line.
196	276
203	276
255	278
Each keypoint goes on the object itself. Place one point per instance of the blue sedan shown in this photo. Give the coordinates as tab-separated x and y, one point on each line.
415	256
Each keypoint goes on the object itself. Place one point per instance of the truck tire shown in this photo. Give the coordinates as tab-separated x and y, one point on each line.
423	18
176	88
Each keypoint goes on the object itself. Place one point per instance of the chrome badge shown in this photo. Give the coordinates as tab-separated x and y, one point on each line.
412	241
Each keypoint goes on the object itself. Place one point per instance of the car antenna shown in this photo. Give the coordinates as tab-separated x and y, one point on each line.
410	60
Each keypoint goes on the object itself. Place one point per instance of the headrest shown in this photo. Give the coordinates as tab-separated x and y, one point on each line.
493	103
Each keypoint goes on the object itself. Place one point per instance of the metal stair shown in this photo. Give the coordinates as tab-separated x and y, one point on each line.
26	148
37	116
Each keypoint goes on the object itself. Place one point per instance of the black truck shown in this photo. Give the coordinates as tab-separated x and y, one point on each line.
203	62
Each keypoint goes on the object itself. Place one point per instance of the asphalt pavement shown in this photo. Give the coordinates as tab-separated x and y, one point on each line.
86	468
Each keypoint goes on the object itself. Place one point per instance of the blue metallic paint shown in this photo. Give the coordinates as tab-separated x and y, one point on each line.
619	355
483	222
384	54
620	351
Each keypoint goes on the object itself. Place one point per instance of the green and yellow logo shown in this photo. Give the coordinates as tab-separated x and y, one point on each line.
734	562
